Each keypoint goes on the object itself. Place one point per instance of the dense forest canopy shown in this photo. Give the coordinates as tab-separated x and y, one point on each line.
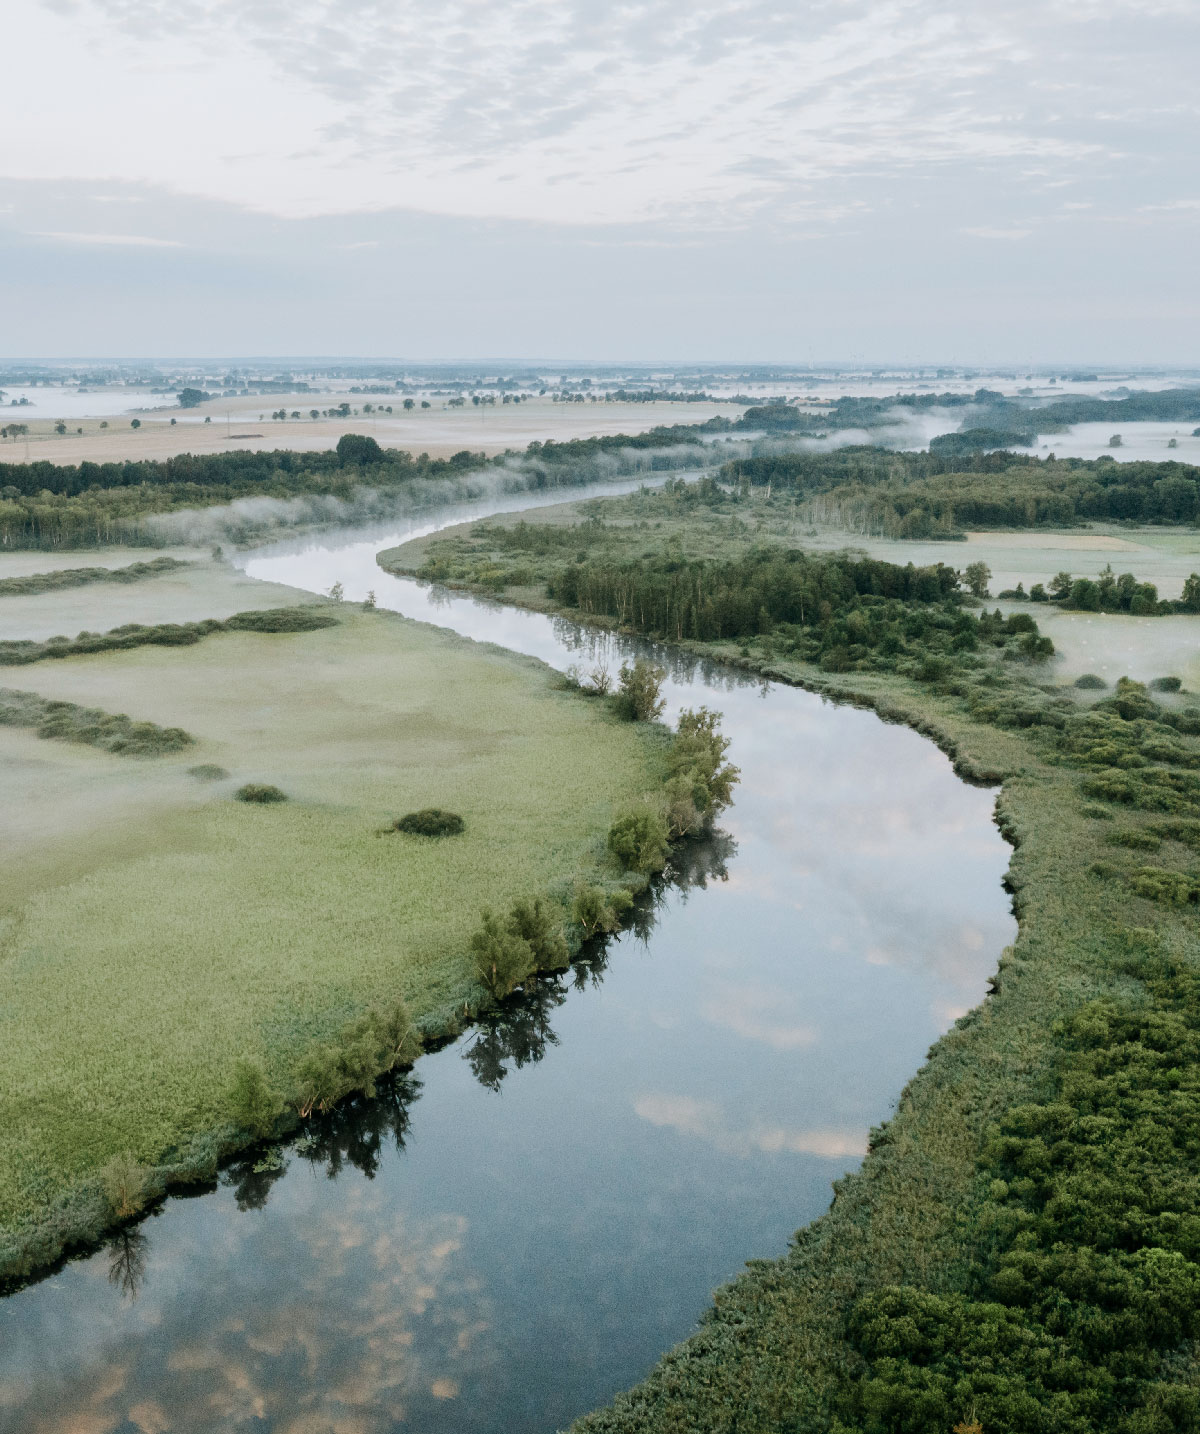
922	495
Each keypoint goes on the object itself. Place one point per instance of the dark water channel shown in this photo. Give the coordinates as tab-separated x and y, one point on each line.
516	1231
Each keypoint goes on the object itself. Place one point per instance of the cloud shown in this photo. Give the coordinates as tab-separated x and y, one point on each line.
985	233
578	113
706	1121
137	241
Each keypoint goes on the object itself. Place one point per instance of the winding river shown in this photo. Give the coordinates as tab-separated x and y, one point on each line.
518	1229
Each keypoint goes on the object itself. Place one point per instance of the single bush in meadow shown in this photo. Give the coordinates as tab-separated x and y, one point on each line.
208	772
430	822
254	1104
124	1181
1089	682
281	619
261	793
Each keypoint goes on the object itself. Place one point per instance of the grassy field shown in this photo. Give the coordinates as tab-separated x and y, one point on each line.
1015	1255
154	931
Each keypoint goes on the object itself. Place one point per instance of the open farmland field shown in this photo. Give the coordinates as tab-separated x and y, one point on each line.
438	431
155	930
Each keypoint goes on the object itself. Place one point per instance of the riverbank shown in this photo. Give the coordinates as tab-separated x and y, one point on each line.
946	1284
156	932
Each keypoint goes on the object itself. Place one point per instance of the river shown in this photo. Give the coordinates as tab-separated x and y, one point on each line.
518	1229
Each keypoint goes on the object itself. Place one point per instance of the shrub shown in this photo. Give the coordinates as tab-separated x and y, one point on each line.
208	772
259	792
253	1103
281	619
1165	684
638	839
502	956
597	913
639	693
124	1181
377	1042
541	930
1135	840
1089	682
430	822
1155	883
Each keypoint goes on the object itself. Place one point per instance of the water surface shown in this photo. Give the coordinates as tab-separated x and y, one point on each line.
517	1230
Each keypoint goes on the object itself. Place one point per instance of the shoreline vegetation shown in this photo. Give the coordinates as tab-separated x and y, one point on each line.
1017	1251
132	1096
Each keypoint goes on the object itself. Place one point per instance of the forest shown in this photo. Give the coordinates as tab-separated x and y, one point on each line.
937	495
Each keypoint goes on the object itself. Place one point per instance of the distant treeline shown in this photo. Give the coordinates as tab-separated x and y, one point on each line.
1007	417
49	505
930	495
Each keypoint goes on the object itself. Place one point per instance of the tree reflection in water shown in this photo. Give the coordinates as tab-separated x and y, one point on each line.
127	1261
518	1032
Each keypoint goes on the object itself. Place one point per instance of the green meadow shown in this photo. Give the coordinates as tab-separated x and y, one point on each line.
155	931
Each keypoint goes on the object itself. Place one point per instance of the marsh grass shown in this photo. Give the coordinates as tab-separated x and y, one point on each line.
155	954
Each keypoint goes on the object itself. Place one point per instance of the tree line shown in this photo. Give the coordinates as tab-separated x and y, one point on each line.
931	495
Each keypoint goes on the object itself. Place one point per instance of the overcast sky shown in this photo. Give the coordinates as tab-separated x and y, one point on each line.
903	180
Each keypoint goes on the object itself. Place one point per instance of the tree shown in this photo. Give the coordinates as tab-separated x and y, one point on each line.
191	397
639	698
356	449
136	423
60	427
409	404
976	577
1060	586
337	592
1115	441
1191	593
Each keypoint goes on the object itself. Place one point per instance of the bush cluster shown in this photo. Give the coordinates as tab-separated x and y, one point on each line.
80	577
69	722
260	792
430	822
507	949
17	652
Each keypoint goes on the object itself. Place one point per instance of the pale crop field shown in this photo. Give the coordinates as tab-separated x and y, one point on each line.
154	929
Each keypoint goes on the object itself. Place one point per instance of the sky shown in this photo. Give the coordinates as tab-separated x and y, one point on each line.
904	181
